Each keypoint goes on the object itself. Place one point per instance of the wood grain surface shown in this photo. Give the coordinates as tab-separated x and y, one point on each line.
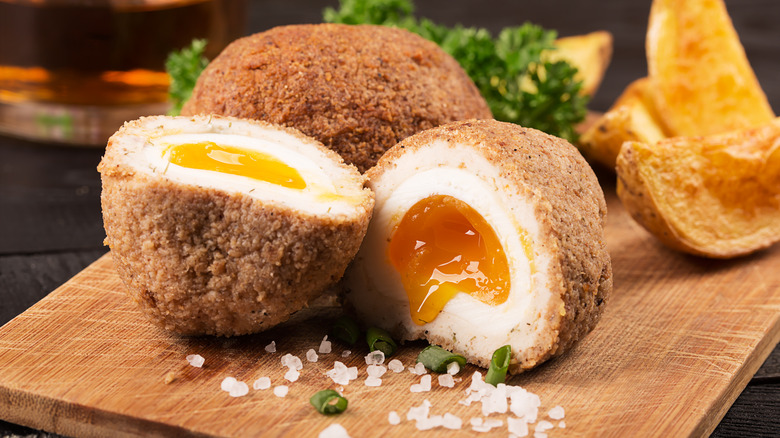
679	341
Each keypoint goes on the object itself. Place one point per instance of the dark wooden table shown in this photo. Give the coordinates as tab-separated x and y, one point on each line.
50	221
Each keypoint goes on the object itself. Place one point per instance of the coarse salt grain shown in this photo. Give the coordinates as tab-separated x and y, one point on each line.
376	357
271	348
196	360
292	375
562	424
373	381
292	362
239	389
228	383
419	369
325	346
540	435
453	368
346	353
418	412
281	390
517	427
395	366
262	383
376	370
450	421
484	425
393	418
446	380
543	426
423	386
311	355
429	423
340	374
556	413
352	373
335	430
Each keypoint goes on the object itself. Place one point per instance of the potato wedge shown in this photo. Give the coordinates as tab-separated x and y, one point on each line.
716	196
631	118
702	79
590	53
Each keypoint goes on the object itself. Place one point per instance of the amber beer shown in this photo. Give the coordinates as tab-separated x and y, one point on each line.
74	70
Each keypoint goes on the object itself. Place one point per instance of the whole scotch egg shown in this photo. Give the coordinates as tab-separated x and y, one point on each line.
484	234
224	226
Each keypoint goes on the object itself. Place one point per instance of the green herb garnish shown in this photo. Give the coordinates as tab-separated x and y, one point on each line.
518	85
328	402
379	339
499	364
346	330
436	359
184	67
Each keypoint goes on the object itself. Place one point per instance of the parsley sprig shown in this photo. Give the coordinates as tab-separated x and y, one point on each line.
184	67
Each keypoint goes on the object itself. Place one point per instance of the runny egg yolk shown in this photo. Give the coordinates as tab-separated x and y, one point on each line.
442	247
233	160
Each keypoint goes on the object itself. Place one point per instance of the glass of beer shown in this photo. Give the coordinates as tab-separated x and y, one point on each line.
72	71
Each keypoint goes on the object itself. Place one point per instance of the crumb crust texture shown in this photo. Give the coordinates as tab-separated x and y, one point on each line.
569	208
357	89
201	260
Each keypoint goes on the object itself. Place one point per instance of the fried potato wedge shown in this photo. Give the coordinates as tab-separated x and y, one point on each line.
631	118
702	79
590	53
715	196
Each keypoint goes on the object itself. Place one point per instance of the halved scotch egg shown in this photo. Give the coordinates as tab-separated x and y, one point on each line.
484	234
225	226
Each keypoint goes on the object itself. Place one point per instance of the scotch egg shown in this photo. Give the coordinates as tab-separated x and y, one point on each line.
484	234
224	226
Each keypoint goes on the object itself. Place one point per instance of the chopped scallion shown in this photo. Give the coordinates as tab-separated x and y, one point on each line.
499	365
436	358
379	339
346	330
328	402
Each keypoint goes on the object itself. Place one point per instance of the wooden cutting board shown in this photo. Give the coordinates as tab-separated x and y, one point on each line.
679	341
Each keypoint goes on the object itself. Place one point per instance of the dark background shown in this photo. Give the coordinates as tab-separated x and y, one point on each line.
50	222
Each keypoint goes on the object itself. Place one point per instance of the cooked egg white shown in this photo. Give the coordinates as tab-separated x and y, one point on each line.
376	287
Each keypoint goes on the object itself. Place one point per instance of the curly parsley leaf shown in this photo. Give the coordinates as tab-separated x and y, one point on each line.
184	67
509	70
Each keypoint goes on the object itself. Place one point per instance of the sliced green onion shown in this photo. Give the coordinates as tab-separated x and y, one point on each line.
345	329
436	358
328	402
379	339
499	365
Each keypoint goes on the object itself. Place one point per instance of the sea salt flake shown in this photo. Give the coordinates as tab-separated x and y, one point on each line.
311	355
281	390
271	348
335	430
543	426
517	427
450	421
376	370
395	366
346	353
446	380
292	362
453	368
228	383
417	412
419	369
239	389
556	413
325	346
373	381
196	360
292	375
423	386
262	383
393	418
376	357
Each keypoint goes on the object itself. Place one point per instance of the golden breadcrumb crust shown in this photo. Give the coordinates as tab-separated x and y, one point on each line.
357	89
203	261
570	209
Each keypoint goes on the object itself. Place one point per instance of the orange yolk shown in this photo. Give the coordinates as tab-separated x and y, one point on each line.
443	246
236	161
